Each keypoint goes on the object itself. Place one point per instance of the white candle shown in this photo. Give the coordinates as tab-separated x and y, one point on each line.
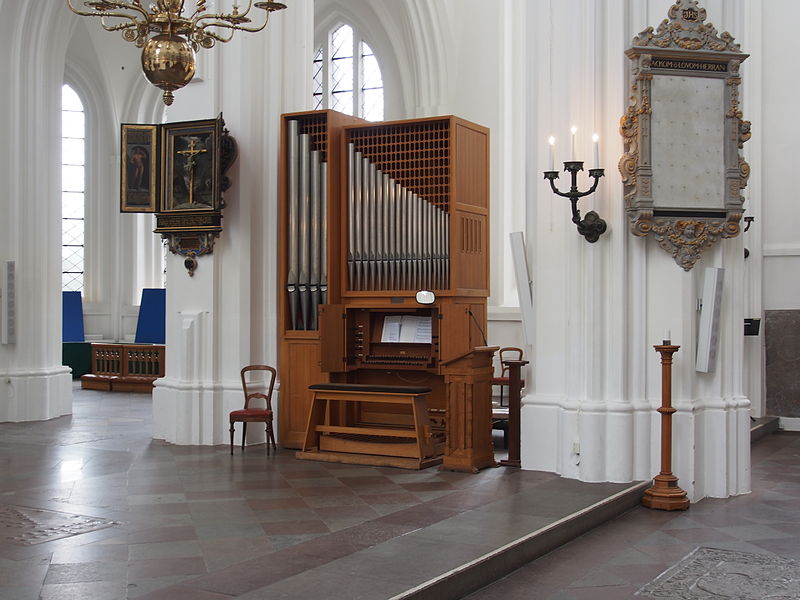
552	141
574	130
596	140
667	337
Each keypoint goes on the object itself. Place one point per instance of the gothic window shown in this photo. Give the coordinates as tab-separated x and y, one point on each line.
73	152
347	76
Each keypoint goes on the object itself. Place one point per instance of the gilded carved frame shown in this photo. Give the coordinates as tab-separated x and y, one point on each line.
684	105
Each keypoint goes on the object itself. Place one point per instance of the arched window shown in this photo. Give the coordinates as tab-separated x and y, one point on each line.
73	178
347	76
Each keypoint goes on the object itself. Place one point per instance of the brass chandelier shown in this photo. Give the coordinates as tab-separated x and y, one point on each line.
168	59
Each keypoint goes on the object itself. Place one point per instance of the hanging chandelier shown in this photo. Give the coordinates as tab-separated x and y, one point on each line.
168	59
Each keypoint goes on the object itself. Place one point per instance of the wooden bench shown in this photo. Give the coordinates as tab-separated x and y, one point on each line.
334	433
124	367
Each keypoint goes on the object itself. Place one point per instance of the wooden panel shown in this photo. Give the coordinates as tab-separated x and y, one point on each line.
332	338
456	321
300	361
471	164
471	238
469	412
414	153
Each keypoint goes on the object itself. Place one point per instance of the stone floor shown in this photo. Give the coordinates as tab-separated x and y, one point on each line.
618	559
91	508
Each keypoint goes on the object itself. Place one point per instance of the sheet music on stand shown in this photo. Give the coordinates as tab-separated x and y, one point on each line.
409	329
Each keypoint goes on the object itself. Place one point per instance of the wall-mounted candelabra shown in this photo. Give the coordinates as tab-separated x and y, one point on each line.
591	226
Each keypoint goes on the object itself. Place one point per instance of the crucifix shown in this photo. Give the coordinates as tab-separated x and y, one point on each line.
189	166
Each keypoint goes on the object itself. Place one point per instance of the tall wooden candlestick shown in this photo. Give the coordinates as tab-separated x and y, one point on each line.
665	493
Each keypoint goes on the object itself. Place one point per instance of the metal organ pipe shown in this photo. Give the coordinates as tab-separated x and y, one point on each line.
307	277
305	229
315	231
397	239
357	218
294	177
351	209
323	275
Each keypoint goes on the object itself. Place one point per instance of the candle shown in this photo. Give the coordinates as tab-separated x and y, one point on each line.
667	337
574	130
552	141
596	140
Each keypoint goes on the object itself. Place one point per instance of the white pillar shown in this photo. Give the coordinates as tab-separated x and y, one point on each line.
222	318
33	383
590	409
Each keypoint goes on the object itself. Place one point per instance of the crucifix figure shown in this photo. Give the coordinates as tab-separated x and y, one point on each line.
190	165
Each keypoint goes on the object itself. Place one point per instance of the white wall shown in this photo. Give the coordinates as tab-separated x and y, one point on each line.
779	131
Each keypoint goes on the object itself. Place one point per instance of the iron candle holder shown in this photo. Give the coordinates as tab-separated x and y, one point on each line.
591	226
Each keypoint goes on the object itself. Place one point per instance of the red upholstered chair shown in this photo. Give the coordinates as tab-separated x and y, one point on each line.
508	353
255	414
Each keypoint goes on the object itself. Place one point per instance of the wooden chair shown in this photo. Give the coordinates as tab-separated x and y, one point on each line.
508	353
260	415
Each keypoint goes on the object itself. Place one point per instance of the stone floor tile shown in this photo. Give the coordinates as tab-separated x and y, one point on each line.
85	572
95	590
161	567
184	549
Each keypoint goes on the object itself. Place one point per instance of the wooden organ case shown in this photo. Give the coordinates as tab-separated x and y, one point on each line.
370	214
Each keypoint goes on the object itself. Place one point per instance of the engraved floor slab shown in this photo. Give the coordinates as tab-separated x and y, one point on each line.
28	526
716	573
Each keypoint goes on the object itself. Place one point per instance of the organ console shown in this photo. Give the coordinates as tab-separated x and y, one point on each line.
369	214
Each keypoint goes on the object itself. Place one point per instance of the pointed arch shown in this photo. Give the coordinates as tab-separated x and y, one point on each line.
410	38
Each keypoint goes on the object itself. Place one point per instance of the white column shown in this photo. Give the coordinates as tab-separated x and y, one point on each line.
222	318
33	383
590	409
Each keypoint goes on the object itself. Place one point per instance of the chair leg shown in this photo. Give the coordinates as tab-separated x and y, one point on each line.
266	435
244	433
271	437
232	438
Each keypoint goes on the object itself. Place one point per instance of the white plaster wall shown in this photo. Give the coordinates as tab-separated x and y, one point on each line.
779	131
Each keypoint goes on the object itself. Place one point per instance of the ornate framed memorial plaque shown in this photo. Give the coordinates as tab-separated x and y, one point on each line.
682	169
139	169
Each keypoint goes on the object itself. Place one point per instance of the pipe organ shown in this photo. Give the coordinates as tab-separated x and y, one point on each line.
369	214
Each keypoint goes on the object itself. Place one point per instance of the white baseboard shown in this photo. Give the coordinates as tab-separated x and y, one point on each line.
790	423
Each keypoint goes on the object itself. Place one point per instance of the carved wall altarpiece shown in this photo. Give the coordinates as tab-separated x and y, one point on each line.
682	170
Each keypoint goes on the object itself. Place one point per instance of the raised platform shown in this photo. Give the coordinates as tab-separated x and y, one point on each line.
763	426
462	542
